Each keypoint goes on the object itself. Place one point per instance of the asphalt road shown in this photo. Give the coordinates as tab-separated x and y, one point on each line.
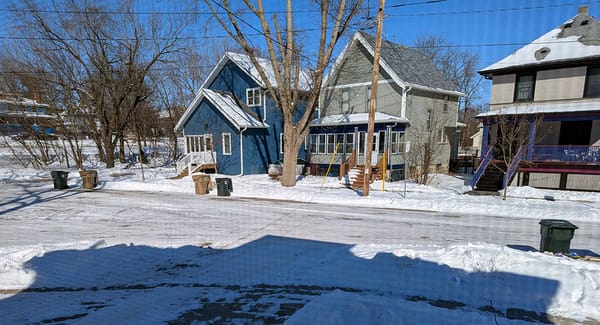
34	213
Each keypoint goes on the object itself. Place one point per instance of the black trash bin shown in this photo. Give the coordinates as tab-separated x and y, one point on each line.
224	186
556	235
60	179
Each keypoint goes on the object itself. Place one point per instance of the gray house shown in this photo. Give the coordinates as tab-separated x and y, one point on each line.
415	102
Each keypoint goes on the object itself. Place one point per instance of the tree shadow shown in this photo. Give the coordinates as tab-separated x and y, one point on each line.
30	194
270	280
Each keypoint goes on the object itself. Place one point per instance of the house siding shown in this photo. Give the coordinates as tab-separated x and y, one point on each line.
503	89
558	84
206	119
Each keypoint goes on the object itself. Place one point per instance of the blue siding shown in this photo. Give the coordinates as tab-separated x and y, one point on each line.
261	145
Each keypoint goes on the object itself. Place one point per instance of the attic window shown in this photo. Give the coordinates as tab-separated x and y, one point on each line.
567	25
583	23
541	53
253	96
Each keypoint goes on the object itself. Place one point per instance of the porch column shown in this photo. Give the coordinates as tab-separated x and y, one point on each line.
531	140
484	140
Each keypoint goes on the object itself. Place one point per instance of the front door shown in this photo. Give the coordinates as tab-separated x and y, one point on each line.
378	147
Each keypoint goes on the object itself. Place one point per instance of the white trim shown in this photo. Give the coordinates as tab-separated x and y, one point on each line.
226	143
360	84
281	143
253	96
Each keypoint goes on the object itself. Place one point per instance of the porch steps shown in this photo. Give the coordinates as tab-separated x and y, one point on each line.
196	168
356	176
491	180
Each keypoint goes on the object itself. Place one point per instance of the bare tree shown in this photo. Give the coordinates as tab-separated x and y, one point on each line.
428	141
288	62
460	67
97	57
512	135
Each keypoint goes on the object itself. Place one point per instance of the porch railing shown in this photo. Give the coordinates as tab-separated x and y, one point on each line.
487	158
192	158
512	169
347	164
570	153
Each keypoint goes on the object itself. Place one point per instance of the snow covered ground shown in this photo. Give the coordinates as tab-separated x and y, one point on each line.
84	266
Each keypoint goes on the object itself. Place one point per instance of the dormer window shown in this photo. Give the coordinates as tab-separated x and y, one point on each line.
253	96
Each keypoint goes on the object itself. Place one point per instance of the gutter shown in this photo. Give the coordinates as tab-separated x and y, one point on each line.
242	150
404	98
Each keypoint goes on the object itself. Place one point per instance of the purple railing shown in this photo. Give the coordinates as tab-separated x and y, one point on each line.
512	169
489	155
575	154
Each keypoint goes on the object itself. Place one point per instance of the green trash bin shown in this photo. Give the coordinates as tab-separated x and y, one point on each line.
60	179
224	186
556	235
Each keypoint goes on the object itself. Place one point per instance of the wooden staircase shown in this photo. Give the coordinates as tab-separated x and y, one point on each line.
355	178
195	169
491	180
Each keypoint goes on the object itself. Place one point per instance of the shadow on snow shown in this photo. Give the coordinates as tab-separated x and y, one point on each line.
268	280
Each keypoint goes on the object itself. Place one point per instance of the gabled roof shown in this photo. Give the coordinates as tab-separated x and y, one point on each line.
574	40
358	118
407	67
243	62
226	104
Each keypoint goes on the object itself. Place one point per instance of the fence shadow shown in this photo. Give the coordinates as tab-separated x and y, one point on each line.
270	280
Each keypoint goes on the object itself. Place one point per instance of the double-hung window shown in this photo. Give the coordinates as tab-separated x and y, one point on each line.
253	97
524	87
226	138
592	82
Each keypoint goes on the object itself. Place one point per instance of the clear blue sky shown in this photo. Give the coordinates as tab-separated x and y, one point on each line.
491	28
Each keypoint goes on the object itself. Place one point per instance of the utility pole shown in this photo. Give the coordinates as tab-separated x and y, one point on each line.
373	101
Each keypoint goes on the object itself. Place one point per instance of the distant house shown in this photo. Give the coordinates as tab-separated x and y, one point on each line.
555	79
414	100
24	116
233	125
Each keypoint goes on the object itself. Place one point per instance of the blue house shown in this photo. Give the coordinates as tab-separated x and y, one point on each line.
233	126
24	116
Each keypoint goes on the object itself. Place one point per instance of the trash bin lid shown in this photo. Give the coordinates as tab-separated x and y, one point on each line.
557	223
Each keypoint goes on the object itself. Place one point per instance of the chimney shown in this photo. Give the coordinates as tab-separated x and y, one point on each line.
583	10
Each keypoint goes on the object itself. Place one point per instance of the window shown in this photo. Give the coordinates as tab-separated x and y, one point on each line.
253	97
524	87
349	142
281	143
592	82
208	142
226	137
397	145
368	98
313	142
203	143
321	143
345	101
339	142
330	143
441	135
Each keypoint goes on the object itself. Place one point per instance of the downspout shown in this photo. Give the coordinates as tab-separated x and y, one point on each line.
404	95
242	150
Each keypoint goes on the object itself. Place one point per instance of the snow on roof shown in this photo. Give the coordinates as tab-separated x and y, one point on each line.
407	67
545	108
575	39
232	111
359	118
243	62
22	101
